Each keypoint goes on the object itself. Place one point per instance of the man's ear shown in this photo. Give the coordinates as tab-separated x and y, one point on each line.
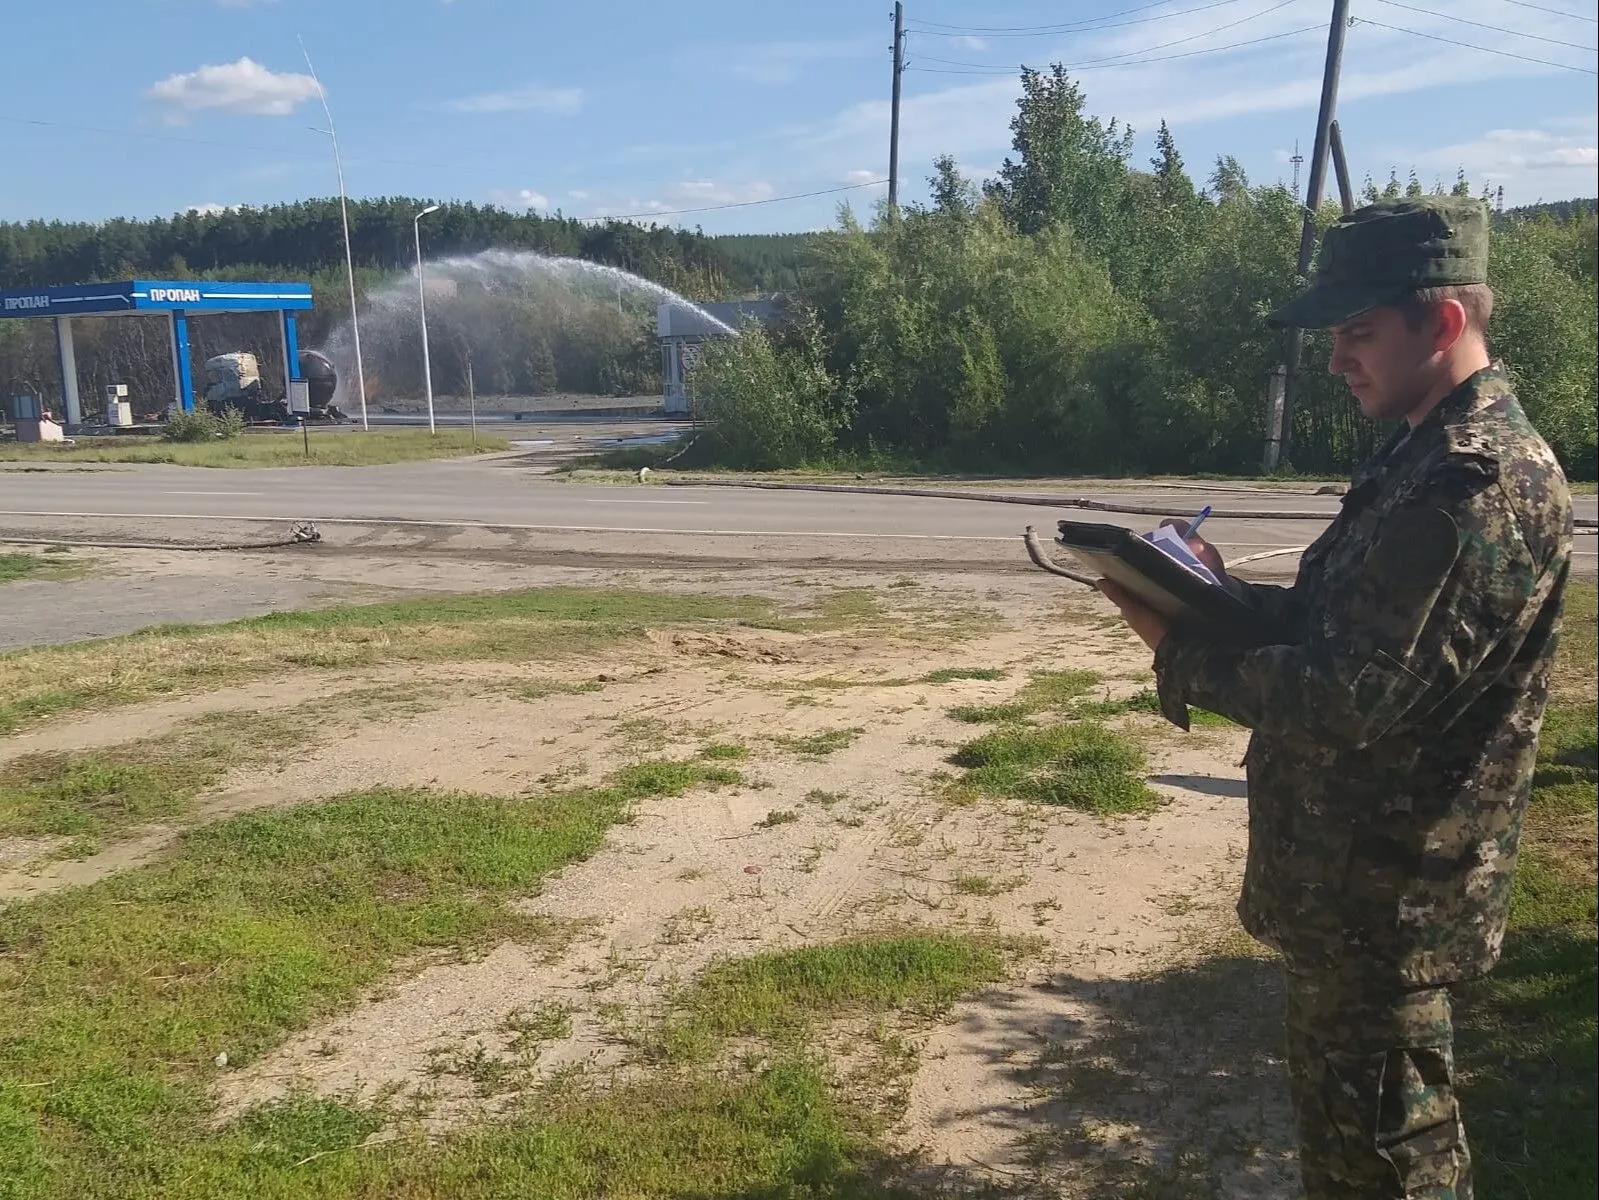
1449	325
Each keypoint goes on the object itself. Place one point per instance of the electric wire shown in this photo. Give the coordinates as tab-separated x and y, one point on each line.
1108	21
1544	62
1428	12
1193	37
1552	11
1137	62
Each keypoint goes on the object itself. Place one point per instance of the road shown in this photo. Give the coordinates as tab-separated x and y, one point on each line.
505	492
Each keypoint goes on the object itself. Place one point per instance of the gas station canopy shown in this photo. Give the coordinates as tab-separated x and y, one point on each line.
176	300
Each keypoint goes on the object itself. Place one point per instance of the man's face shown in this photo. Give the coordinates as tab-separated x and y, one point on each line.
1389	367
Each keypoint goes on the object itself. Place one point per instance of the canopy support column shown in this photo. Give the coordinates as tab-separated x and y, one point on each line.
67	357
182	372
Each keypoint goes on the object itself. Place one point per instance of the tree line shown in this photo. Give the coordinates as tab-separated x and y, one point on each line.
1080	314
531	342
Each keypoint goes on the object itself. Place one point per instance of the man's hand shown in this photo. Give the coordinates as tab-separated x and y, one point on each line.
1203	550
1141	619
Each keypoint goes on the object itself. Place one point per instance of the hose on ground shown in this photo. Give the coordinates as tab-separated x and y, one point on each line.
304	533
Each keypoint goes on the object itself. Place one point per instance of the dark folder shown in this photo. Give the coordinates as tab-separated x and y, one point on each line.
1188	601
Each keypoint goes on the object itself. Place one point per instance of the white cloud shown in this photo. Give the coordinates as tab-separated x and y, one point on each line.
970	43
715	191
532	97
970	119
673	196
241	87
776	62
520	198
859	177
210	209
1529	162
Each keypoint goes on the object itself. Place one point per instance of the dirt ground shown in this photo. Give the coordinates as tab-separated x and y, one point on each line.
1114	1053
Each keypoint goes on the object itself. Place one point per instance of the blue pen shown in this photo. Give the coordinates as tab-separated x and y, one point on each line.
1193	526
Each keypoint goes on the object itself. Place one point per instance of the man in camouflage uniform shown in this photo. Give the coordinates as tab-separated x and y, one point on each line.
1394	741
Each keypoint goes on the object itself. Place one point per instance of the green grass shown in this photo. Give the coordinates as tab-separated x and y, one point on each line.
1064	694
780	995
119	994
524	626
34	566
727	751
1046	692
343	448
1146	700
1079	765
540	689
1527	1031
953	674
819	744
90	794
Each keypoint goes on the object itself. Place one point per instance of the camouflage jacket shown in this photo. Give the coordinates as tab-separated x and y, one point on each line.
1394	742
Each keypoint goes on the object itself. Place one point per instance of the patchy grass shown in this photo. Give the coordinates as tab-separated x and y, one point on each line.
820	744
38	566
953	674
1527	1031
329	448
118	995
983	885
778	816
1145	700
90	794
1080	765
725	751
541	688
1046	692
779	995
524	626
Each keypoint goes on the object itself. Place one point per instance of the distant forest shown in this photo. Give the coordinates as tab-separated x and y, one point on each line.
305	240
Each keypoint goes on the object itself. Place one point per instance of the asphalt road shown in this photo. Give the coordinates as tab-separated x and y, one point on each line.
505	492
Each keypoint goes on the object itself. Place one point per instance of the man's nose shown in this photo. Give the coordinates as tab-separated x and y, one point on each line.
1337	361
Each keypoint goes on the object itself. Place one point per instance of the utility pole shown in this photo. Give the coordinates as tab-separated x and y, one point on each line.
1318	180
893	129
1346	192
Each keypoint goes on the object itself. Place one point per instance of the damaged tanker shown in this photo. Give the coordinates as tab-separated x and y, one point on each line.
234	381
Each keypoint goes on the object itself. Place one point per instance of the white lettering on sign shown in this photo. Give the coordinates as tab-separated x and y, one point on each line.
18	303
175	295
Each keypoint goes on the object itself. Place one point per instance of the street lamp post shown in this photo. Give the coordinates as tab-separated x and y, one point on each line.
344	217
422	306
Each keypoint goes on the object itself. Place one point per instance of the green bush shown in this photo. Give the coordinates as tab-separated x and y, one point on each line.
768	397
203	425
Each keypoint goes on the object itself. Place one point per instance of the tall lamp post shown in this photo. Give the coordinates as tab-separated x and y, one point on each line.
344	217
422	307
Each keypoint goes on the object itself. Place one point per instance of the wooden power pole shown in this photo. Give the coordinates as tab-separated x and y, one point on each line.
893	128
1318	181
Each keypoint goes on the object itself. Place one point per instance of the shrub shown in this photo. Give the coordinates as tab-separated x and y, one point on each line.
202	425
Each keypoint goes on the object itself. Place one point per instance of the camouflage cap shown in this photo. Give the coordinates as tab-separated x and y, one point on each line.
1378	253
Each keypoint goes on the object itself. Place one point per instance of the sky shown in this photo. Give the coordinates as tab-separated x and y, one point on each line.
749	117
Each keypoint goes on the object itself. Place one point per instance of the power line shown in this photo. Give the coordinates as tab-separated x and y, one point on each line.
1137	62
1543	62
678	212
1193	37
1108	21
1553	11
1427	12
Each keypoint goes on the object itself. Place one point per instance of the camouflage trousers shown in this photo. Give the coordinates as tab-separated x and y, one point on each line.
1373	1083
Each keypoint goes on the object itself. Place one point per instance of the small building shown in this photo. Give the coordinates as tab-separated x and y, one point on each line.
173	302
683	328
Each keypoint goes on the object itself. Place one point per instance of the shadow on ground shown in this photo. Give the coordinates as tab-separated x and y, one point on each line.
1166	1087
